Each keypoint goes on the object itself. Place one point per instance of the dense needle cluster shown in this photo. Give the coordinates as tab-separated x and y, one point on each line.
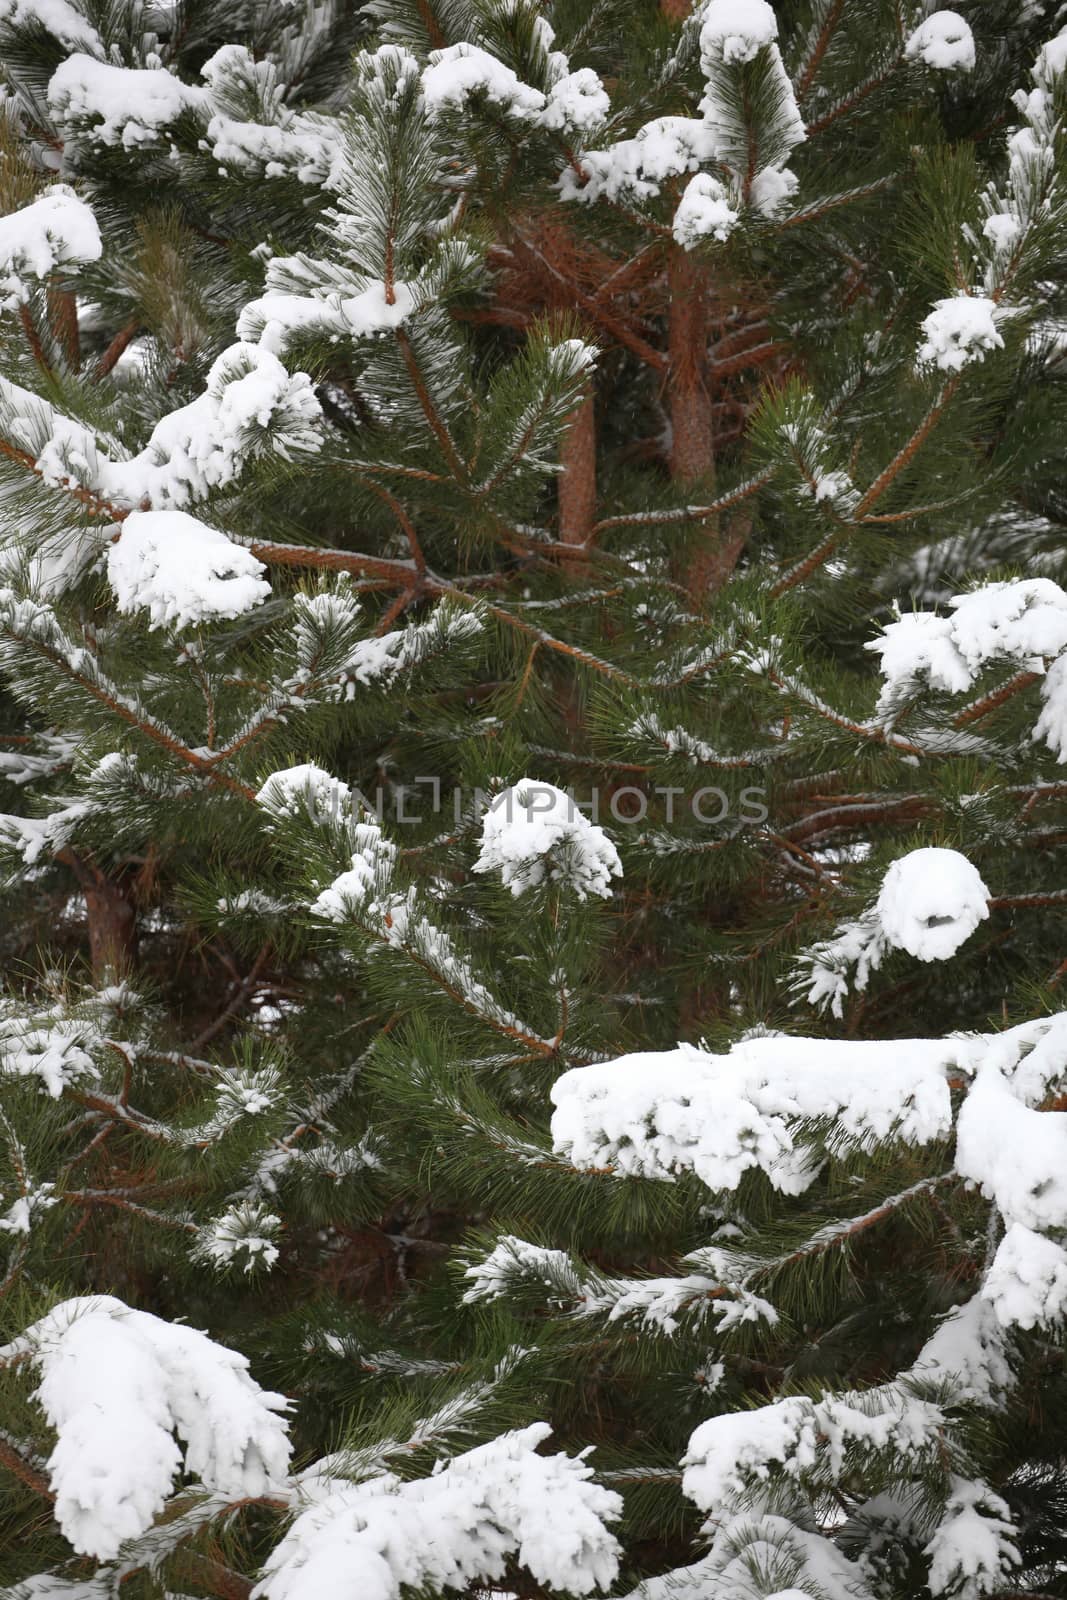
533	701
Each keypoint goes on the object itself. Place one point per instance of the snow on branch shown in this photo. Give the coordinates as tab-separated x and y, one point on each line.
943	41
117	1385
499	1503
251	407
661	1113
181	571
930	902
534	832
1021	622
56	230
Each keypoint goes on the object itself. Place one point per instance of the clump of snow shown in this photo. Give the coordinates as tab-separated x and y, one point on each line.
577	102
727	1452
734	31
117	1385
1051	725
462	70
959	330
53	1049
771	189
973	1549
499	1503
1027	1281
278	315
931	900
704	212
943	41
305	790
181	571
534	832
117	105
56	230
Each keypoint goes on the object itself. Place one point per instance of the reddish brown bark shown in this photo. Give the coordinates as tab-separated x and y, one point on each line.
692	434
577	482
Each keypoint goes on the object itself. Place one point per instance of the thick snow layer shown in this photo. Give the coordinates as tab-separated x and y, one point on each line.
181	571
959	330
704	212
533	832
119	105
1017	1155
943	41
117	1385
729	1454
56	230
498	1504
665	1112
1027	1282
930	902
462	70
734	31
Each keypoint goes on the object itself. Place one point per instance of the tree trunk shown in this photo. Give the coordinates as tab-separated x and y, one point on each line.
692	435
112	930
577	482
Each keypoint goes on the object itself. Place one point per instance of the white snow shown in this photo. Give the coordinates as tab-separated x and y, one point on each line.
973	1549
373	860
181	571
1022	621
366	314
58	17
637	168
943	41
113	105
728	1452
959	330
245	1234
501	1502
734	31
931	900
305	790
251	407
117	1385
462	70
534	832
1017	1155
1027	1281
53	1049
659	1113
576	103
56	230
704	212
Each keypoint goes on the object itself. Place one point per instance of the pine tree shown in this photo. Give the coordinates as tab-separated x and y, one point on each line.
525	544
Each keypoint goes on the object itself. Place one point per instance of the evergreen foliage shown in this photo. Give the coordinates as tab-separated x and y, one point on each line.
522	545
